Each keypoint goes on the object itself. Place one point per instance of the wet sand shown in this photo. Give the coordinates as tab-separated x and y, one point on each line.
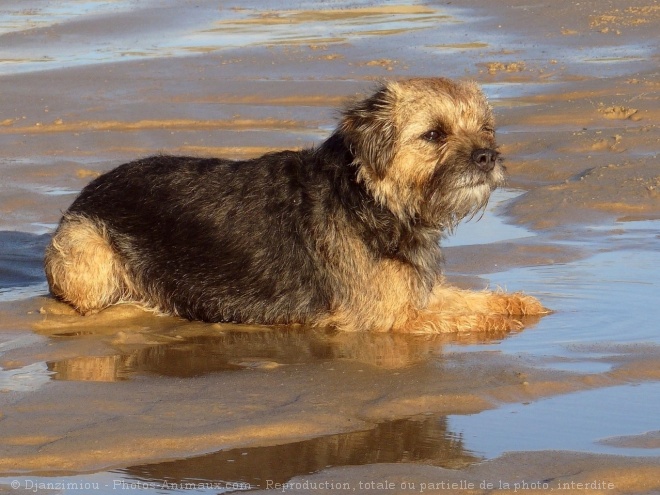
129	397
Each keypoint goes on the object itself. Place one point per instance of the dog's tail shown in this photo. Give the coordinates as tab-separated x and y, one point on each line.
82	268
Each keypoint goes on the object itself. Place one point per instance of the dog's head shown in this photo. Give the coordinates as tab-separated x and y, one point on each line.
425	148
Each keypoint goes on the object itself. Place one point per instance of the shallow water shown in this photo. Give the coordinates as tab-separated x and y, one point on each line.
585	335
206	29
452	441
487	227
610	296
595	416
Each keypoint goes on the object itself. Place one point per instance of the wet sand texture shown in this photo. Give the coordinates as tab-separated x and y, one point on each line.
575	92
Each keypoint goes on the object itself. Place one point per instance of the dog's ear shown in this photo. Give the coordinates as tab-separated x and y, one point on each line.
369	132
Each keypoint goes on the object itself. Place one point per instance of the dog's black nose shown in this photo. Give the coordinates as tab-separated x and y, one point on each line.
485	158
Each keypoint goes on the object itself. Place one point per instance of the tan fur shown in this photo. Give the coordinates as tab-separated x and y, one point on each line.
381	296
418	105
388	295
456	310
82	268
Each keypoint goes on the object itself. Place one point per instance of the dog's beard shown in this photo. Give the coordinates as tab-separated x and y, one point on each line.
461	203
455	196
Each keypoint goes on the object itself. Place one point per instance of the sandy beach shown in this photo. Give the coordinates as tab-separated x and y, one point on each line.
127	401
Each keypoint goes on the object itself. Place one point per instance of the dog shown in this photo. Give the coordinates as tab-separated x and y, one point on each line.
345	234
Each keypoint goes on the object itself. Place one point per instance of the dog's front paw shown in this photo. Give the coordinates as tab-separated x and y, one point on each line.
518	304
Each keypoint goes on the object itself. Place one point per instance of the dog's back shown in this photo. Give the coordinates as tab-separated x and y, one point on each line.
183	235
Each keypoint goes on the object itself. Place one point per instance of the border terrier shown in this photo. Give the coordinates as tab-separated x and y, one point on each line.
346	234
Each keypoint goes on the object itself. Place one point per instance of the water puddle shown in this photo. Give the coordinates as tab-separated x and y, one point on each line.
9	294
629	411
489	227
605	305
420	440
510	93
416	440
608	297
53	190
211	29
452	442
612	60
18	18
21	265
195	356
41	228
25	379
276	27
176	352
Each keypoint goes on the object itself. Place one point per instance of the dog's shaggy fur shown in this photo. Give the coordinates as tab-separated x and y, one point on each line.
345	235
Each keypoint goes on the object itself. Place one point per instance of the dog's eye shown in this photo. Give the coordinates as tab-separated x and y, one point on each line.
434	136
488	129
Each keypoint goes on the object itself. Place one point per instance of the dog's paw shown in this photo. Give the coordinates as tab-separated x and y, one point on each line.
517	303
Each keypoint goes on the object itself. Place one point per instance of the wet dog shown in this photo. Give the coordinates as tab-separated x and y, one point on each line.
344	235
